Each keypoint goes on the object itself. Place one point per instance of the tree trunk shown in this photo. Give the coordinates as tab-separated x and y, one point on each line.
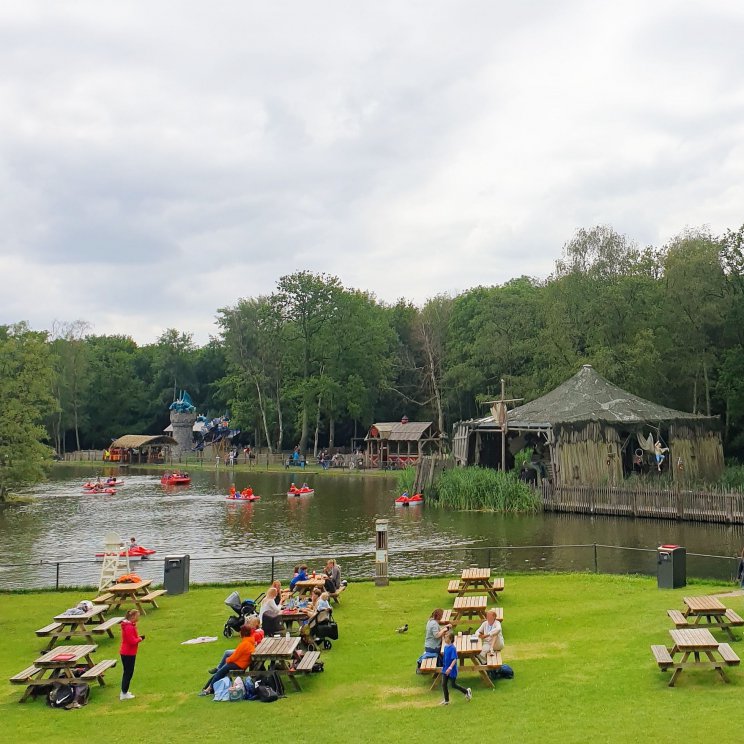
707	388
262	408
694	394
317	428
280	419
77	427
304	429
331	432
434	382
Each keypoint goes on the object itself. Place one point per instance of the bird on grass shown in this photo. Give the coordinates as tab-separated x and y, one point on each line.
402	629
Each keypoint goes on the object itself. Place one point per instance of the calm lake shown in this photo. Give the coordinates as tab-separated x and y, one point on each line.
231	541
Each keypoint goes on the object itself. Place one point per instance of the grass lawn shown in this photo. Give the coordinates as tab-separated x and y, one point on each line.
579	645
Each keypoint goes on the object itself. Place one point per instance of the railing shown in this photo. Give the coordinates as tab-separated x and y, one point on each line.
588	557
639	501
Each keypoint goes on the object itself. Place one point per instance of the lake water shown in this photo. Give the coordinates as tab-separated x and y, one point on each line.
231	541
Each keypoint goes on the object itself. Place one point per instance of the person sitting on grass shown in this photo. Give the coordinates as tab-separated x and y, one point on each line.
449	669
238	660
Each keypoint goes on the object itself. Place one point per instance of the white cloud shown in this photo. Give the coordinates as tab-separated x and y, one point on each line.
191	154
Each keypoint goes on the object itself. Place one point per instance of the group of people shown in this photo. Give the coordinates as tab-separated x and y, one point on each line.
438	633
268	621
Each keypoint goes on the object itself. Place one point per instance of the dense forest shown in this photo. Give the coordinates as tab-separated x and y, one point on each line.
314	362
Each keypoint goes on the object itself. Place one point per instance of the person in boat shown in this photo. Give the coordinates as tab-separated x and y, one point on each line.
305	487
111	480
404	495
247	493
293	488
232	494
133	543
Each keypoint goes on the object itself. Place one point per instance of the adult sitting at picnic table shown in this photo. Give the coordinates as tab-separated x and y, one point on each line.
490	634
238	660
300	574
270	613
433	636
256	632
333	572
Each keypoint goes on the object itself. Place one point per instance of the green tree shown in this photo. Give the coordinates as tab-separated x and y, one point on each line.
25	392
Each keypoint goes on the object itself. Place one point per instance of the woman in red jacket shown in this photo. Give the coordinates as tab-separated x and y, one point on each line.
130	641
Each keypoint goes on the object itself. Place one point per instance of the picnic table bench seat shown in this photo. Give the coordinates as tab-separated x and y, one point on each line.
96	672
728	654
430	666
48	629
662	657
454	586
732	618
493	660
152	596
678	618
106	625
104	598
307	662
23	677
498	585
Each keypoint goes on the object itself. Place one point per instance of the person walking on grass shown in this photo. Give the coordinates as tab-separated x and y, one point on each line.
130	641
449	669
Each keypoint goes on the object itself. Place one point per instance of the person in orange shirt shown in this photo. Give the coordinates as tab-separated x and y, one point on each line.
238	660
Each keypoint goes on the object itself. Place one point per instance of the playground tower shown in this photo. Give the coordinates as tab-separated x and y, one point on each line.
183	416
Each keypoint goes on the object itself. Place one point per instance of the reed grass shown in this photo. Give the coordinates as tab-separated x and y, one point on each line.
405	479
483	489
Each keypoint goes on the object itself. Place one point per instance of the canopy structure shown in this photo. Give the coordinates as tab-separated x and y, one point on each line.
400	443
147	447
590	431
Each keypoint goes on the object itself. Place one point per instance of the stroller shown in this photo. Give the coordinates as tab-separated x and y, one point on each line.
243	610
319	630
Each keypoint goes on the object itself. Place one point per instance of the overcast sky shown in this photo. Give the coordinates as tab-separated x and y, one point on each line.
160	160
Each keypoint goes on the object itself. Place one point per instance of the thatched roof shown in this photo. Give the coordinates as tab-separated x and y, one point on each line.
134	441
395	431
588	397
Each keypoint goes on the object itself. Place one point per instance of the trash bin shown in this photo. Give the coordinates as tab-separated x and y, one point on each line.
176	578
671	566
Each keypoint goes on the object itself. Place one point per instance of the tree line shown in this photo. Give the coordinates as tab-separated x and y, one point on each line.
315	363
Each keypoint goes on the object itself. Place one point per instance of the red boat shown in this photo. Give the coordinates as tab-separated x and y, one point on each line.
240	497
138	552
104	484
175	479
301	491
99	490
405	500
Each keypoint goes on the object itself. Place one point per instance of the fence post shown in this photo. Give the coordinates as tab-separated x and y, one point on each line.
56	580
272	570
489	557
596	568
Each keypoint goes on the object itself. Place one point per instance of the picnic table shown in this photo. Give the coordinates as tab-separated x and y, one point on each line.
468	647
476	580
276	655
710	610
293	616
698	643
55	668
309	584
81	625
136	592
467	608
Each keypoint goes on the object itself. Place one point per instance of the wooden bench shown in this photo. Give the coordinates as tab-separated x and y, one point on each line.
679	620
104	598
97	671
22	678
152	596
732	618
662	657
307	662
105	627
728	654
48	629
454	586
493	660
447	615
498	585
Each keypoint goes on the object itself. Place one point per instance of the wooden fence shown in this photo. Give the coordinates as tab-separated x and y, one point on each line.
694	506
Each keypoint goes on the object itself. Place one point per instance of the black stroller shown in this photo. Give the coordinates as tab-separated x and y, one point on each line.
319	631
243	610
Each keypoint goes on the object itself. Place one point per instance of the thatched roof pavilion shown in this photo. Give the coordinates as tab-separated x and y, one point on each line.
590	431
153	448
400	443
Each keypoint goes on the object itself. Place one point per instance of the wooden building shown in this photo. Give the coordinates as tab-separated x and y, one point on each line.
400	443
590	432
138	448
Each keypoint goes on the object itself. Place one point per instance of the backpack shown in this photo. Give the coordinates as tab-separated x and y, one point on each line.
506	672
265	693
237	690
249	692
318	666
68	696
274	681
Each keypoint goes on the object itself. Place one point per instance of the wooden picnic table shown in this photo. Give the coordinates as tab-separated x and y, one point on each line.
713	612
309	584
293	616
136	592
476	580
698	643
81	625
469	648
55	668
467	608
277	653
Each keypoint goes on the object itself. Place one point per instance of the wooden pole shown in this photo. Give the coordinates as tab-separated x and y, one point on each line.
503	427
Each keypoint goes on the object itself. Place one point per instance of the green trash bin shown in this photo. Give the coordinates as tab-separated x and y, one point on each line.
671	566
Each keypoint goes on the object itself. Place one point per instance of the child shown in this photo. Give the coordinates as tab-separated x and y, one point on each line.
130	641
449	669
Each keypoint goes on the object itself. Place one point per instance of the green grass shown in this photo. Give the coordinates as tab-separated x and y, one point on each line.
579	645
475	488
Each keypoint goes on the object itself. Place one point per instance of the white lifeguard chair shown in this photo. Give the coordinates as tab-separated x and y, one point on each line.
114	563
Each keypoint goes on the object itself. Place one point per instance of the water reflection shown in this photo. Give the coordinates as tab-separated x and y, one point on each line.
62	523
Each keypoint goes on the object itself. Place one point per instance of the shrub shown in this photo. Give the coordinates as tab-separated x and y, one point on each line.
483	489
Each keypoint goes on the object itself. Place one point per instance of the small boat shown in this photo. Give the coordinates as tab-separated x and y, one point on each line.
405	500
175	479
104	484
137	553
99	490
239	497
301	492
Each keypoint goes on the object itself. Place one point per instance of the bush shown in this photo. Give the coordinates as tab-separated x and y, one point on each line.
483	489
